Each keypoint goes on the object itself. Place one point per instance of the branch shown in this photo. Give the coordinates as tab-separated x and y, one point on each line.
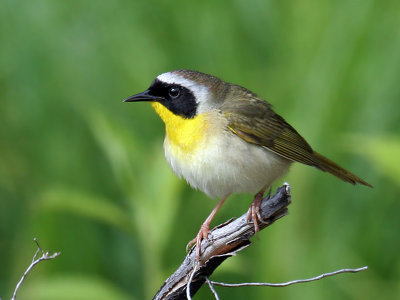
35	261
224	241
283	284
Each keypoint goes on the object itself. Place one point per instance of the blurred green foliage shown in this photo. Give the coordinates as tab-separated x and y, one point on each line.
85	174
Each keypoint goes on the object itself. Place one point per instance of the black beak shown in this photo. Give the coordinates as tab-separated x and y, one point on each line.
145	96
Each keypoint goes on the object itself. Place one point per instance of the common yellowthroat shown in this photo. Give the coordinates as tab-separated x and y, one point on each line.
223	139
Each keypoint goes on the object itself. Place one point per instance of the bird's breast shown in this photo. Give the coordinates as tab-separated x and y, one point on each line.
213	159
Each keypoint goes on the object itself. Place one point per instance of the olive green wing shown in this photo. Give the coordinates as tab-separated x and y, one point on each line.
255	122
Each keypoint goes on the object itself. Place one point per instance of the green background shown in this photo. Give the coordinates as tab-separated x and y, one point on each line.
85	173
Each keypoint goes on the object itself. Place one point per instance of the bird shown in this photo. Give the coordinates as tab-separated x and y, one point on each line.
224	139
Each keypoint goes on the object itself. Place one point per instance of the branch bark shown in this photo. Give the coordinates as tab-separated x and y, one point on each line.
224	241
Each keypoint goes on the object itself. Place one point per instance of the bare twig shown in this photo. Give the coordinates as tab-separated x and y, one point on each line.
188	295
283	284
210	284
35	261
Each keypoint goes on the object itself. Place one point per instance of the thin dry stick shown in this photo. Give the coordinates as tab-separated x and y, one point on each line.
196	267
45	256
283	284
210	284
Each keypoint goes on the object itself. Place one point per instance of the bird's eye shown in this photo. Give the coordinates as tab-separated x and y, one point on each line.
174	92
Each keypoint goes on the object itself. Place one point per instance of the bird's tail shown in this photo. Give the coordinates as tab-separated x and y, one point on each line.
329	166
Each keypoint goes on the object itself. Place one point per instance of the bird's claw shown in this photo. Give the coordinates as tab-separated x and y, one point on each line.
201	235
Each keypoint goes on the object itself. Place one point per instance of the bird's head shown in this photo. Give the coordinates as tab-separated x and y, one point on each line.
183	93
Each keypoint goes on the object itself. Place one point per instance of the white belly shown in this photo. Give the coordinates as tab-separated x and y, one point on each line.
226	164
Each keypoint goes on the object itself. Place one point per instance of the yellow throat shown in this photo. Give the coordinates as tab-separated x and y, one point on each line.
185	134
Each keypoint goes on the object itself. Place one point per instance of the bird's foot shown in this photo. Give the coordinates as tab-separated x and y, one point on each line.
253	214
204	230
202	235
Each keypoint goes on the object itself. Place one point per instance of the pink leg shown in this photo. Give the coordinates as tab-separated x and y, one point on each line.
253	213
205	229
